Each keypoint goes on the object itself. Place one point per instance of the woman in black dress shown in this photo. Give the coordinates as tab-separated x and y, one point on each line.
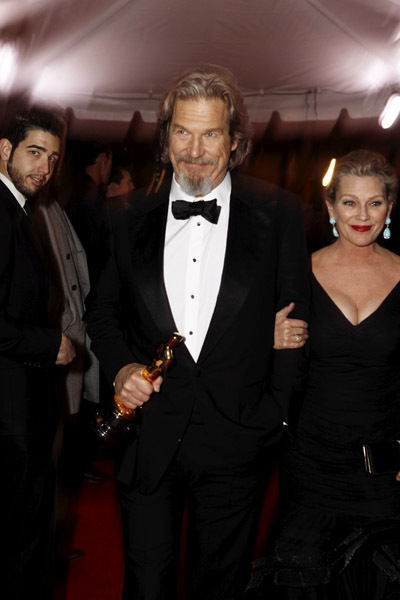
338	533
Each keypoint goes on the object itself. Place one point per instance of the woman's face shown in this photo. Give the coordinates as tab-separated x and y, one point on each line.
360	209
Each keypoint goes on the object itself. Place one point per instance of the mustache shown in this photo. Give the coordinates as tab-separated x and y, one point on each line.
185	158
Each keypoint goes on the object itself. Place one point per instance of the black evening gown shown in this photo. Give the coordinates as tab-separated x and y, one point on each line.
338	532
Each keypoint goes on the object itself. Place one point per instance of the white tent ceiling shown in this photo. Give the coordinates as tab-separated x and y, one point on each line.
106	59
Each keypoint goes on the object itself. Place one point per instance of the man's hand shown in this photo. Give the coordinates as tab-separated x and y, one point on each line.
289	333
132	389
66	351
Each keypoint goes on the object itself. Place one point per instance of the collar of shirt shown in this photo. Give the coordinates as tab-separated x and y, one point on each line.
17	195
222	193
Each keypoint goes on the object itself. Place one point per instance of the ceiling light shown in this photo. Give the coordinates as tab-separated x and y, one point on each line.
8	65
390	112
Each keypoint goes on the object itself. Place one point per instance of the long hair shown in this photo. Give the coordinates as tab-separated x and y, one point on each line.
210	81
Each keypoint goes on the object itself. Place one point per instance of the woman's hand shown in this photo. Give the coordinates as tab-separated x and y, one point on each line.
289	333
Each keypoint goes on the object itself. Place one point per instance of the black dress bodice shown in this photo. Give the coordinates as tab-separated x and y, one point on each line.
330	509
352	397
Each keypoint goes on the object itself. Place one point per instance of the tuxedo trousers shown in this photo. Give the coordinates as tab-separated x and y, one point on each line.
223	507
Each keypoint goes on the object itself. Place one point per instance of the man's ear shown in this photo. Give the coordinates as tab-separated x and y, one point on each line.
5	149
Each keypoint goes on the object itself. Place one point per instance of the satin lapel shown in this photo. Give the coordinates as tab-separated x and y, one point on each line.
147	238
23	221
147	250
247	235
29	227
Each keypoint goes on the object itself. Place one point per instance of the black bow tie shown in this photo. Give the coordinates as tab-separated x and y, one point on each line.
181	209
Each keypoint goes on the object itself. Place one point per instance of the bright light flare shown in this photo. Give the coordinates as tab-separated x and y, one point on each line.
8	65
390	112
328	175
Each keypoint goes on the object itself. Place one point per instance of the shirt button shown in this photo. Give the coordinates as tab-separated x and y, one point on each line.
192	296
190	332
198	224
68	256
195	260
74	287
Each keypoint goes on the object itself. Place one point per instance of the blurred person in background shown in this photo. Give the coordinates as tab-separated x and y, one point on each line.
78	383
120	182
85	200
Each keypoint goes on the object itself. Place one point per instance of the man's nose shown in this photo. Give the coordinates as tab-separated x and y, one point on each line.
44	165
195	146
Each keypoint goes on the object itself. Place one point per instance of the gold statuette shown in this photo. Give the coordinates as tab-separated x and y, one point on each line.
111	427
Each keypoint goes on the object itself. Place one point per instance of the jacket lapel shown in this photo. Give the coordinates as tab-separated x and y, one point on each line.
147	253
147	237
245	247
22	220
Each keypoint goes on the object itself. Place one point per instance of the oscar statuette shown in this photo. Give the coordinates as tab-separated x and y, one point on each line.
110	427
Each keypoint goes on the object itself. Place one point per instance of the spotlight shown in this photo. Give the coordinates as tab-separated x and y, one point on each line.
328	175
8	65
390	112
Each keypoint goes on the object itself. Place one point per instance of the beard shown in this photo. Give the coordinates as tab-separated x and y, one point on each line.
195	185
18	180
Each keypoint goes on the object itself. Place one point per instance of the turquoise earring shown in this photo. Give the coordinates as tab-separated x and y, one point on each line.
386	232
334	230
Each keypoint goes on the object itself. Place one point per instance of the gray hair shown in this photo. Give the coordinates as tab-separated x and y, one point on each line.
210	81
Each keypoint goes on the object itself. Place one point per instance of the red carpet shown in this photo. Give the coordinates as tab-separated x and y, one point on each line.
97	531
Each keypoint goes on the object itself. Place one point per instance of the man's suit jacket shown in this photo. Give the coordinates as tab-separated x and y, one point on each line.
240	386
28	347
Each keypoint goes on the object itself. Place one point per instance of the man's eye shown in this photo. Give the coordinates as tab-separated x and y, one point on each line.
210	134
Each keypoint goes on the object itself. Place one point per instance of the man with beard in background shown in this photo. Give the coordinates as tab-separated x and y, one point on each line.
30	146
213	255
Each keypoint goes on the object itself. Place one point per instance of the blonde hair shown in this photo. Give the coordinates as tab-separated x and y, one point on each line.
364	163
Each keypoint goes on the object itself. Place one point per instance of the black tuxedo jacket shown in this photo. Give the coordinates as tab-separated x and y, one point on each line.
240	386
28	347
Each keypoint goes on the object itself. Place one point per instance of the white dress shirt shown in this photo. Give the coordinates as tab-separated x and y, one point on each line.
17	195
194	255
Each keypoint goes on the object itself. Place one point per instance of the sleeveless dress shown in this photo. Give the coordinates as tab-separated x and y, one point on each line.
338	531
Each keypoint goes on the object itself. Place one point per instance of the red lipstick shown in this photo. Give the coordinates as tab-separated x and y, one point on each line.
361	228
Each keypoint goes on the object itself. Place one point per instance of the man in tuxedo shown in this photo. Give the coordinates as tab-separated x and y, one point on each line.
29	349
213	255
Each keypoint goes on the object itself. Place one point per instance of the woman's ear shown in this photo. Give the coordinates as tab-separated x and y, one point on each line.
329	206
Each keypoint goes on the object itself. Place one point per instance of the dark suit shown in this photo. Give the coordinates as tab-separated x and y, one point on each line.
28	348
220	408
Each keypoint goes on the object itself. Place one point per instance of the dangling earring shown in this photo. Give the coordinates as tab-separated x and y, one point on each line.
334	230
386	232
